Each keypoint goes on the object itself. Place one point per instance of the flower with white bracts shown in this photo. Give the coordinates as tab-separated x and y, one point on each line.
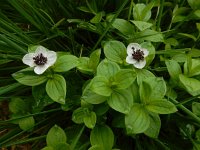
136	55
41	59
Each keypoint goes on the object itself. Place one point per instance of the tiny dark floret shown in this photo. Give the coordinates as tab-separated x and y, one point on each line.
138	55
40	59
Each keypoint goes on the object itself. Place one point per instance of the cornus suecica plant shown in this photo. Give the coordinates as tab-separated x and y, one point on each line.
136	55
112	78
41	59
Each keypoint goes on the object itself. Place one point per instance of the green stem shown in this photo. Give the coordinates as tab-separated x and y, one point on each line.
187	111
29	115
11	43
188	100
20	133
160	14
181	23
25	141
130	10
9	88
75	141
110	24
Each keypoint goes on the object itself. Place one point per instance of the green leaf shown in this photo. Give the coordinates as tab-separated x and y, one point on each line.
151	49
79	114
187	65
145	92
102	136
94	59
188	36
101	109
84	9
191	85
140	13
159	87
194	52
115	51
194	4
28	77
123	79
97	18
65	63
142	25
121	101
161	106
17	105
41	99
90	120
171	41
26	123
196	108
56	135
124	27
107	68
83	65
142	74
174	69
62	146
47	148
32	48
56	88
91	97
198	135
154	127
171	93
137	120
149	35
100	85
197	16
134	90
194	68
96	147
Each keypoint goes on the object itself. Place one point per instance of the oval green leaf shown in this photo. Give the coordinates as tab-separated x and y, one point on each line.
65	63
26	123
100	85
115	51
123	79
91	97
121	101
107	68
137	120
161	106
90	120
154	127
28	77
56	135
102	136
56	88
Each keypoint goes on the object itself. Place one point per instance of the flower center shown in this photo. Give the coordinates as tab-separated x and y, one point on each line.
138	54
40	59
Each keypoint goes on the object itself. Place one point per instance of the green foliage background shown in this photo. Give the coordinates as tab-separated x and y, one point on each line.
90	38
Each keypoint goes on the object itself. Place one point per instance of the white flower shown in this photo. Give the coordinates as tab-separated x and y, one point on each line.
136	55
40	60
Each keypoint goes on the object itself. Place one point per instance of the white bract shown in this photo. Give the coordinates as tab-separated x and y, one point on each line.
41	59
136	55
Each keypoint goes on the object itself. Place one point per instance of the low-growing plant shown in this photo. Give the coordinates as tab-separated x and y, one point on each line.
100	75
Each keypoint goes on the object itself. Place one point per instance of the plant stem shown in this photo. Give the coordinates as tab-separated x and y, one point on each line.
25	141
77	138
187	111
160	14
9	88
29	115
110	24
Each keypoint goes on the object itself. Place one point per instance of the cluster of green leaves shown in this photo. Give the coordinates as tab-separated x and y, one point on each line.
97	100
